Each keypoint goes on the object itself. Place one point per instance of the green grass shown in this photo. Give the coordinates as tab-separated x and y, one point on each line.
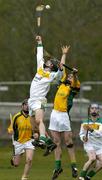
42	166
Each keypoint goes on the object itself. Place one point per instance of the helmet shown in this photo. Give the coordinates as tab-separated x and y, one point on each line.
55	65
52	64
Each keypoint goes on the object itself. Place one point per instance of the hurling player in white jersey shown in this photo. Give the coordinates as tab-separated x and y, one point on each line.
91	135
46	73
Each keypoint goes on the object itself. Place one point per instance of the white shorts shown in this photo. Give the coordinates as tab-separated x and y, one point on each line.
36	104
91	147
59	121
20	148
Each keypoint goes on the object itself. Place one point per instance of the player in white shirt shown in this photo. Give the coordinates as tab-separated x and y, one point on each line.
46	73
91	135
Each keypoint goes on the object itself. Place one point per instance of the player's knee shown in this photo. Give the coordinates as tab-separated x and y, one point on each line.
57	142
16	164
29	161
13	163
92	160
70	145
39	121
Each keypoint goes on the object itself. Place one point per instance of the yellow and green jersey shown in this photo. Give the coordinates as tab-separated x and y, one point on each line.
75	88
22	127
60	102
64	96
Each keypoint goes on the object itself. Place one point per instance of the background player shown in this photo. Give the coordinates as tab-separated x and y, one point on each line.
21	130
91	136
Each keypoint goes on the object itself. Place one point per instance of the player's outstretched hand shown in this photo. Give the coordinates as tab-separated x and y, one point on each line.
65	49
86	127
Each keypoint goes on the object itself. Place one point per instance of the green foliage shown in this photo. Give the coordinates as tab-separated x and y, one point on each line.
77	23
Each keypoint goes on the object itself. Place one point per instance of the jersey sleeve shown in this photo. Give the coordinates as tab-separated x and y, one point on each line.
82	132
75	84
40	60
10	127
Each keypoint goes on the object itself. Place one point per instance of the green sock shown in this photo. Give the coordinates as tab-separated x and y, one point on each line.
91	173
57	164
43	138
73	164
49	141
83	173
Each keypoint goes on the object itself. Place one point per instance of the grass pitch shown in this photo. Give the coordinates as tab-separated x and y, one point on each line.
42	166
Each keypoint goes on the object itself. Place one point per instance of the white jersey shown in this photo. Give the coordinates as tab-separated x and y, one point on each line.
41	82
95	137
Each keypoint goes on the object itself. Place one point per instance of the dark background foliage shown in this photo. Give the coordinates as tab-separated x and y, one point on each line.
78	23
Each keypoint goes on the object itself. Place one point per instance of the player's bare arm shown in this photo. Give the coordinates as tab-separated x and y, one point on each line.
65	50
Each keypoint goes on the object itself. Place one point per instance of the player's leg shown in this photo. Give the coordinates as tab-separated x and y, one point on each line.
95	169
71	152
50	146
17	153
36	134
39	117
28	163
43	139
15	160
36	112
91	159
36	118
58	151
99	162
